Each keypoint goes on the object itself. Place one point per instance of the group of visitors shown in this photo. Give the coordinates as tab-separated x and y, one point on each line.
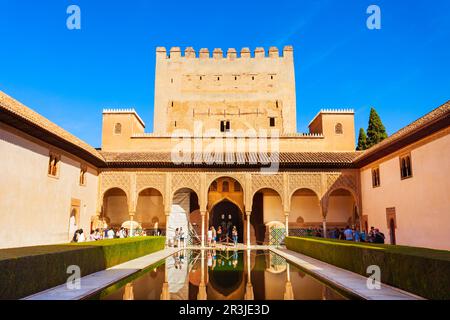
105	233
354	234
220	236
179	238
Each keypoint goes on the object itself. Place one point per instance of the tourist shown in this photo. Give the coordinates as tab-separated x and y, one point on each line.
176	238
121	233
341	234
92	236
210	235
234	234
81	237
110	233
348	234
378	237
363	236
182	238
356	234
219	234
371	237
75	236
214	235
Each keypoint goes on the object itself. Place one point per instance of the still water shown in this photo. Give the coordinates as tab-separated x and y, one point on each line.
221	275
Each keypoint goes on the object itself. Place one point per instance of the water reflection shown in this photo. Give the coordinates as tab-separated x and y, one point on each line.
224	275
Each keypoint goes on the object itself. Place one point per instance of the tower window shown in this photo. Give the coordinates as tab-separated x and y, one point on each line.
338	129
171	80
171	104
201	78
118	128
237	186
276	103
272	122
53	165
405	167
83	171
213	186
271	77
253	78
235	78
224	126
376	177
175	124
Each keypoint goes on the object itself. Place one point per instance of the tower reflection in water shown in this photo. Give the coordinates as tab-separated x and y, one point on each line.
223	275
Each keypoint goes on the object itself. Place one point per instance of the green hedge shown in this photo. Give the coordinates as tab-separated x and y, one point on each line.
424	272
28	270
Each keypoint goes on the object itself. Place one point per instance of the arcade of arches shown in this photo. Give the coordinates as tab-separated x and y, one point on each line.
253	202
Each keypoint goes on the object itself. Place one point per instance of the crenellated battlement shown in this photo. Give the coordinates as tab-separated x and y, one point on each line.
231	53
124	111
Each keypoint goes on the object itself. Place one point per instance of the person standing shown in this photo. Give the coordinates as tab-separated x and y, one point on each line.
219	234
356	235
182	244
176	238
348	234
214	235
111	233
234	234
210	236
81	237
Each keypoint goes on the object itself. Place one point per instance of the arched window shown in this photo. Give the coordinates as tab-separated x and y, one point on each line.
213	186
225	186
237	186
405	167
118	128
338	129
53	165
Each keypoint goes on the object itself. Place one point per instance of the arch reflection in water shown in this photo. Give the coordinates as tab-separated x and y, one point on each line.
222	275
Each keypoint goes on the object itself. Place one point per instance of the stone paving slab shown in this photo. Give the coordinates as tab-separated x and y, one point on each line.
344	279
102	279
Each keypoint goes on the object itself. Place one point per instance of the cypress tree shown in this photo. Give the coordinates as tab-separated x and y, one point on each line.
376	132
362	140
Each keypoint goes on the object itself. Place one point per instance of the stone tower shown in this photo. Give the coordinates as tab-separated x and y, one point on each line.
224	92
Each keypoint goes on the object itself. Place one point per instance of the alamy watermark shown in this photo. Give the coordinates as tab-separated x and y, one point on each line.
73	21
374	20
74	280
374	280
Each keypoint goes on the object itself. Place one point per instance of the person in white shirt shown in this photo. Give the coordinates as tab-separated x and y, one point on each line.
81	237
111	233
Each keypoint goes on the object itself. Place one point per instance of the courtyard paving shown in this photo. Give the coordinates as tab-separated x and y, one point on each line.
344	279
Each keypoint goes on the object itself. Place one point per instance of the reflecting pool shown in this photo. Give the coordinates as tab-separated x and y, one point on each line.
221	275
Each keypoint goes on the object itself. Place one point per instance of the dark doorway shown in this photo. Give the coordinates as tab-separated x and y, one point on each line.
220	217
257	218
392	230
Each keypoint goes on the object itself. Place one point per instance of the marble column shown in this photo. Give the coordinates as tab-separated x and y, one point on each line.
248	213
286	216
203	214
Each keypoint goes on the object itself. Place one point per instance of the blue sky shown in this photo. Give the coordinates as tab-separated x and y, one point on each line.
70	76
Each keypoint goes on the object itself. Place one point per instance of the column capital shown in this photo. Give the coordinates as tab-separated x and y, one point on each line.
167	213
248	213
287	213
203	212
